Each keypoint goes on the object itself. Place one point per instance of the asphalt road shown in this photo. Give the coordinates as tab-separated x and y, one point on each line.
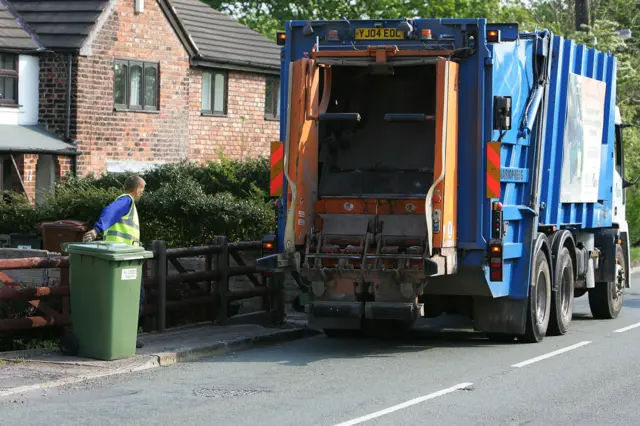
588	377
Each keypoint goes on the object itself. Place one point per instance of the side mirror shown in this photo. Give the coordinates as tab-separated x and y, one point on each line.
626	183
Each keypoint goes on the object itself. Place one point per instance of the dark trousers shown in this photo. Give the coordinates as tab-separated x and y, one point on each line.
141	300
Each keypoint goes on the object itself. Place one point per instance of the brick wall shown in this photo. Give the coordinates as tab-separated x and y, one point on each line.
27	166
244	132
178	131
63	167
54	79
104	134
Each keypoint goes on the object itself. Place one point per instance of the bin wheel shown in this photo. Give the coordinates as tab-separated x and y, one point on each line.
69	344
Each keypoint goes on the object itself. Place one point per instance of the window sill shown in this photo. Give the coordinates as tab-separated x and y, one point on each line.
12	106
272	119
213	114
142	111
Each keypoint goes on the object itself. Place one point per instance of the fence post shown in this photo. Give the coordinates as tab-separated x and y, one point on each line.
160	264
208	266
222	287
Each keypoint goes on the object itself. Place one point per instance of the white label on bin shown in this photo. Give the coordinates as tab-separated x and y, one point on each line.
129	274
24	247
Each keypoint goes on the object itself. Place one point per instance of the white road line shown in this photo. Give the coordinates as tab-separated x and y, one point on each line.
622	330
405	404
551	354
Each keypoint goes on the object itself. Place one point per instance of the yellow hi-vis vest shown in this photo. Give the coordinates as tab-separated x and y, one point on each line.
127	229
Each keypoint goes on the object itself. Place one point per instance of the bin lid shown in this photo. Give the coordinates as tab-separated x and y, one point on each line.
108	250
71	225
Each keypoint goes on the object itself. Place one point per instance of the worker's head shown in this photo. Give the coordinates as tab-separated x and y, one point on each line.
134	186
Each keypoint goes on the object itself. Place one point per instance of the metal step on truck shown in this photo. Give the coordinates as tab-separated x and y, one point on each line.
448	166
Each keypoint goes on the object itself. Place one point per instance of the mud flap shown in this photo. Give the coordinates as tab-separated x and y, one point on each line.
500	315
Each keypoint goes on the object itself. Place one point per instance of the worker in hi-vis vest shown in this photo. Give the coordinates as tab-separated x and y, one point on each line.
118	222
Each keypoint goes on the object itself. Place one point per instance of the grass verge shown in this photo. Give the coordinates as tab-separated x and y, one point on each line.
635	256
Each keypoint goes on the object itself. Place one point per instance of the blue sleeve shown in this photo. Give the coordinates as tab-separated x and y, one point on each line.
112	214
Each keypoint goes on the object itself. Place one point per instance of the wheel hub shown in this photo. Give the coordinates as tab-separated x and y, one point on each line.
620	282
541	293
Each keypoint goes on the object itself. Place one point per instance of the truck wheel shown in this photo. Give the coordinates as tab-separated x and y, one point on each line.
539	305
562	298
606	299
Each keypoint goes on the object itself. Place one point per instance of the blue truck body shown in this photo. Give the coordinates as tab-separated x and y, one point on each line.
536	71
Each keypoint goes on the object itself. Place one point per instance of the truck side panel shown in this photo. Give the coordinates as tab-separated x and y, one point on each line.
578	59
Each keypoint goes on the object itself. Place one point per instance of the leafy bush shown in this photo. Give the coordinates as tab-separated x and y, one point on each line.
184	204
16	214
248	178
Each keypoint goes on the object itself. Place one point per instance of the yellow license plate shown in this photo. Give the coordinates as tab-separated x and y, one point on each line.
379	34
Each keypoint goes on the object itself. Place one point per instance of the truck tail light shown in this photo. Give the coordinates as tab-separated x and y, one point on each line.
496	260
268	245
493	36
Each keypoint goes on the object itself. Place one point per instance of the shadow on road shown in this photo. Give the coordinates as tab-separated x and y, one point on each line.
443	332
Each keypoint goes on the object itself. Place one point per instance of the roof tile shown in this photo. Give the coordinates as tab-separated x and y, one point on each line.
12	34
219	38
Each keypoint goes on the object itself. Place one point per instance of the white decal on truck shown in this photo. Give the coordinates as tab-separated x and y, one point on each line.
582	140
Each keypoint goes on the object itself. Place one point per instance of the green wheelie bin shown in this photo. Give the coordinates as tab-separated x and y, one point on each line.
104	279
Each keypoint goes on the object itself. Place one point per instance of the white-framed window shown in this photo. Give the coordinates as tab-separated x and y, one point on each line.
214	92
272	99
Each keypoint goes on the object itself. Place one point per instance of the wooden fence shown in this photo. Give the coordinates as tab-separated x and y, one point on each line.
183	293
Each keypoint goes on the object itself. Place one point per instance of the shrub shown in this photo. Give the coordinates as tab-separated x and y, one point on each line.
16	214
184	204
244	179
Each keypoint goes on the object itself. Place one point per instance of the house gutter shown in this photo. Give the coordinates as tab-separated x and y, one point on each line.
247	66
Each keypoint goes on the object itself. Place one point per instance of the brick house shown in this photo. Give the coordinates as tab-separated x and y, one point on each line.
135	83
31	159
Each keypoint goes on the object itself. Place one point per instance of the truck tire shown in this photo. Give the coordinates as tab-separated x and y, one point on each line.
607	298
539	305
562	298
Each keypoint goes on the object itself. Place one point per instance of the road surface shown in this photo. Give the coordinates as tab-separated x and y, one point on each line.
588	377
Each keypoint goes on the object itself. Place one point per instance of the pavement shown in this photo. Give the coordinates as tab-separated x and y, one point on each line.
24	371
442	374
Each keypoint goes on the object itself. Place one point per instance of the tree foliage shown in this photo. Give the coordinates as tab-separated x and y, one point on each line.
606	16
268	16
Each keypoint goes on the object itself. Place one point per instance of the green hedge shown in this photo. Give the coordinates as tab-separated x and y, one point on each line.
184	204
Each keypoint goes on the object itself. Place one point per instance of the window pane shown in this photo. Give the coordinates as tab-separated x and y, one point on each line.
7	62
220	93
150	86
7	89
136	85
268	100
120	84
206	91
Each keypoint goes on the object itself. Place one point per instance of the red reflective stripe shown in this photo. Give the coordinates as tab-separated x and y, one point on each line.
493	170
277	155
276	184
493	187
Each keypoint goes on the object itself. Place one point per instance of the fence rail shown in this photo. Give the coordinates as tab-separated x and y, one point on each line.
207	290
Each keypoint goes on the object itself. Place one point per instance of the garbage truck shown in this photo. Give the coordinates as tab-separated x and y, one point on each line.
447	166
